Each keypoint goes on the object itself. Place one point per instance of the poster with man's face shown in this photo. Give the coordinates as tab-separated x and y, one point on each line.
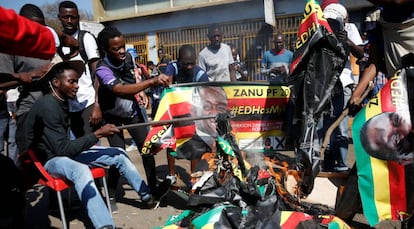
383	153
387	123
256	110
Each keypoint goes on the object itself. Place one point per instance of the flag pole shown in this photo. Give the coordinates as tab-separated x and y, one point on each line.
163	122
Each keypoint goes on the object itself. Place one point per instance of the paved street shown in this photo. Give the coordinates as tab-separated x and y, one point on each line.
132	215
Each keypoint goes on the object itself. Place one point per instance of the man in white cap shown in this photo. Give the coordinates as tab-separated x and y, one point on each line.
336	153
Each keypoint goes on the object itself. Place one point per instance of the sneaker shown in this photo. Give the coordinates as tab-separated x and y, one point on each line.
148	200
114	207
110	227
131	148
171	179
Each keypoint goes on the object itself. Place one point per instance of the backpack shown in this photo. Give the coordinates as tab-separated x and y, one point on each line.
111	103
82	51
177	78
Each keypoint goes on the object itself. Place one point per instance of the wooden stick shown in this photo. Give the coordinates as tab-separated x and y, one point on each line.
163	122
341	117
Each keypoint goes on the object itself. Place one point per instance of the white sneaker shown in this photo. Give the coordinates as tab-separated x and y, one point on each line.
171	179
131	148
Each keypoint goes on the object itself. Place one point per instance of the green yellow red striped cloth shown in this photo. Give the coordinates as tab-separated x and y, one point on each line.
385	186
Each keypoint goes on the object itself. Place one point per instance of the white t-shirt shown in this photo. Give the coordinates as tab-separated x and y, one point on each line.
86	93
216	64
55	36
12	95
353	33
354	36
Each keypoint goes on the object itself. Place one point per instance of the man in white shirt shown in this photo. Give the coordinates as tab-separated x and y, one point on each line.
335	156
216	58
85	112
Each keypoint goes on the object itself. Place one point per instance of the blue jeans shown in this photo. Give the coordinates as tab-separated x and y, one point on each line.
11	141
138	134
343	131
76	169
3	127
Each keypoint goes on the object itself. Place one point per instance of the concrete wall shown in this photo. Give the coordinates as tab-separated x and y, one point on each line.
215	14
192	17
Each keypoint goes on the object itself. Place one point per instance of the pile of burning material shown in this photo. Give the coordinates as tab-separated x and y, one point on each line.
232	193
219	199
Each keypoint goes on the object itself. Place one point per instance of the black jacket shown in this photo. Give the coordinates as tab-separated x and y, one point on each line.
47	130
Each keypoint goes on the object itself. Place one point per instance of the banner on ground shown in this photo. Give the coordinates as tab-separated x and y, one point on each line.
385	186
258	112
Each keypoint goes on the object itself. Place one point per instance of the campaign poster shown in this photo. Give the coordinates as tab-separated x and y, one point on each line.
383	153
256	115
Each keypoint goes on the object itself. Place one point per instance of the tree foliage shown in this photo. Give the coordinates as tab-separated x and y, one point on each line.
51	11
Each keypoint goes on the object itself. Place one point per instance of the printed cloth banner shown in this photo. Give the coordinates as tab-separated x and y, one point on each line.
315	69
309	32
288	220
257	111
378	130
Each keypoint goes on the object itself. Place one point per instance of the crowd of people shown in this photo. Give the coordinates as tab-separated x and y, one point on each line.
92	85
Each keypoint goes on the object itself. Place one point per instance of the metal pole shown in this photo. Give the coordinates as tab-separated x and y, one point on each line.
163	122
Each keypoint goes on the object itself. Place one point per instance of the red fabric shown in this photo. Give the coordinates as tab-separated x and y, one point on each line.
327	2
22	37
278	53
398	195
294	219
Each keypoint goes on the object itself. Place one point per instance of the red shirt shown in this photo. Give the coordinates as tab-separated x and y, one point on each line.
22	37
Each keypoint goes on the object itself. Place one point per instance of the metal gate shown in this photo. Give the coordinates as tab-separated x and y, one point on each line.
140	42
251	38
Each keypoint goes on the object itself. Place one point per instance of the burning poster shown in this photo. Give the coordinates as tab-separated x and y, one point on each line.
381	150
257	113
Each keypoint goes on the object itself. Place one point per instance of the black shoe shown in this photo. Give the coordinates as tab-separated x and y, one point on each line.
107	227
110	227
150	202
114	207
162	189
328	170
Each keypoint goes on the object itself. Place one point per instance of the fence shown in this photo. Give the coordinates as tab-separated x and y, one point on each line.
140	43
251	38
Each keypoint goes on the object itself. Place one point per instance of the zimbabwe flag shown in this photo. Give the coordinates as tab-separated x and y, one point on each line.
175	103
385	186
290	219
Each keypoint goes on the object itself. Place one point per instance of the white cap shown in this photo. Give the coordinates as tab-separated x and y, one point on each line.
334	11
